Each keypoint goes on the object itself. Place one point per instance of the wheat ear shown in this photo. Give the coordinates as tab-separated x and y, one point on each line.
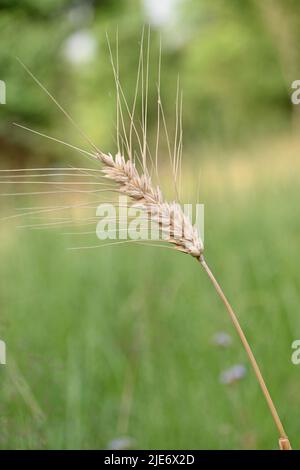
140	190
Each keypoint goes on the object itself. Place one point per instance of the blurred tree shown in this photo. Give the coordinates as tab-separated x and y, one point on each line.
36	32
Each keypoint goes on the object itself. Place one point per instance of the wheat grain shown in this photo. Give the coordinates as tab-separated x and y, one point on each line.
169	216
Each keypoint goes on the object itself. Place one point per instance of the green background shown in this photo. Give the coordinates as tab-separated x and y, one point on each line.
117	343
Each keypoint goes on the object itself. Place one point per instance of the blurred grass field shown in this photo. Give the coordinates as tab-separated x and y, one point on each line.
117	342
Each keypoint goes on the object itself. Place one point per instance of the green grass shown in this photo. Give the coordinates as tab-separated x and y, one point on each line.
85	329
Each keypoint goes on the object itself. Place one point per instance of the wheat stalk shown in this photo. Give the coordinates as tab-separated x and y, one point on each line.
139	188
169	216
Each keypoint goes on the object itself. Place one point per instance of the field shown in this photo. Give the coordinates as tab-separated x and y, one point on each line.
118	342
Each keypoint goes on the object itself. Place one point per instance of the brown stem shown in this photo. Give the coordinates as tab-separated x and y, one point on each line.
284	443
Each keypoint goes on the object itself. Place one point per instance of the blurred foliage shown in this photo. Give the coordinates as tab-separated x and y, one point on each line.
113	343
236	62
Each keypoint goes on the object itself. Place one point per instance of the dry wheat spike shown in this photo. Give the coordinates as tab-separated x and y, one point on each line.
138	187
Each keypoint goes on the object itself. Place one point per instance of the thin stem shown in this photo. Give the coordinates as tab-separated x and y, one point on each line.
283	441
